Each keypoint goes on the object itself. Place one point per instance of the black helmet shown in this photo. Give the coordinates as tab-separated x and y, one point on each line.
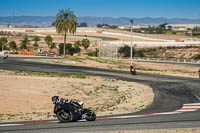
54	99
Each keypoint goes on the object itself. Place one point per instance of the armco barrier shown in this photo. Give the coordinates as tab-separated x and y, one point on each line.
168	60
26	53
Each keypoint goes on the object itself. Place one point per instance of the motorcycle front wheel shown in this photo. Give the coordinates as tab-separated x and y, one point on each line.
64	116
90	115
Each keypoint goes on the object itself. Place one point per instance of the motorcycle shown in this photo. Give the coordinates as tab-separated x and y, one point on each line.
70	111
132	70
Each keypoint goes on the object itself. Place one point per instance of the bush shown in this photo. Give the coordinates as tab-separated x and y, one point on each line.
139	53
196	56
69	49
93	53
85	43
126	51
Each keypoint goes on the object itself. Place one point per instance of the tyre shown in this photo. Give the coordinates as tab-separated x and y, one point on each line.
133	73
64	116
90	115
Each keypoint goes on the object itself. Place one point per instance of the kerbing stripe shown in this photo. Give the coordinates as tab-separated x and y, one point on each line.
189	110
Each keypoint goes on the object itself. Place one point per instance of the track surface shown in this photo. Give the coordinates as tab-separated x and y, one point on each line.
99	37
170	94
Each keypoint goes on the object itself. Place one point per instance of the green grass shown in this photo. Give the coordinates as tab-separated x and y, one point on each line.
46	74
80	76
97	89
100	60
115	89
11	115
75	59
88	93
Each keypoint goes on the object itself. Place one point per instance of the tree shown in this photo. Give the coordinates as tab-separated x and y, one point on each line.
139	53
36	39
163	26
3	41
13	45
84	24
25	42
169	27
53	45
85	43
69	48
126	50
196	31
49	40
99	25
65	21
77	44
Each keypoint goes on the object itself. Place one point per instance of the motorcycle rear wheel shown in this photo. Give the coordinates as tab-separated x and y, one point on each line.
64	116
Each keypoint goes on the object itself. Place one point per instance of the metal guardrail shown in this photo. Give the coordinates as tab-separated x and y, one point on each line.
191	61
169	60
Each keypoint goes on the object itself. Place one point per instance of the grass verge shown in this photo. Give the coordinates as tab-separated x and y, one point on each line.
50	74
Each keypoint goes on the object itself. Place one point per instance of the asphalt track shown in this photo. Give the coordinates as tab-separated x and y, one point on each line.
99	37
170	94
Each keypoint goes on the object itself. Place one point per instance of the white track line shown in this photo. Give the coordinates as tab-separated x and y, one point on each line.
168	113
7	125
186	108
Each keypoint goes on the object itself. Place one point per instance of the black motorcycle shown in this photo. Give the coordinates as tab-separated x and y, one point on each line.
70	111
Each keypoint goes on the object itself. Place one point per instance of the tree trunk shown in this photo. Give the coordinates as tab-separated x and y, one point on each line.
64	45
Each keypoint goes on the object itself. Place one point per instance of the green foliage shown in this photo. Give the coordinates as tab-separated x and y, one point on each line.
49	40
83	24
65	21
107	26
36	39
93	53
47	74
97	88
139	53
75	59
77	44
163	26
196	56
24	42
160	29
196	31
85	43
126	51
174	32
35	45
100	60
3	41
69	49
155	55
53	45
80	76
13	45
